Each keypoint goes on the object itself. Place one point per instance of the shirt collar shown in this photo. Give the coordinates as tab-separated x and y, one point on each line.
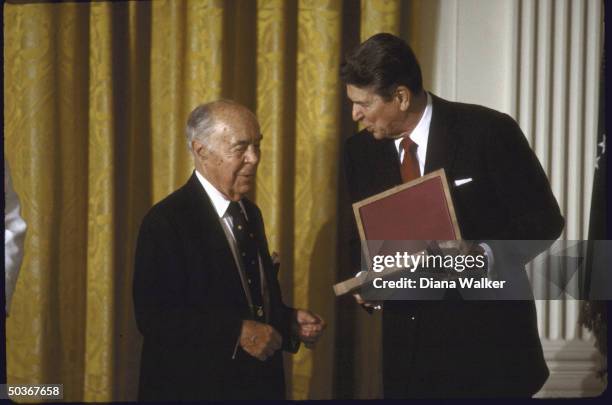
219	201
420	133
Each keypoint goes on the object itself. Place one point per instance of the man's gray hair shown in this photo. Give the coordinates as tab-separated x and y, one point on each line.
201	122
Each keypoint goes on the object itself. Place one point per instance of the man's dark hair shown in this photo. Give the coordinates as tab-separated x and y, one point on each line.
384	62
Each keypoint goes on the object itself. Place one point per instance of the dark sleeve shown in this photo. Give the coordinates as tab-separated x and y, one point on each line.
522	186
355	194
286	316
349	172
164	310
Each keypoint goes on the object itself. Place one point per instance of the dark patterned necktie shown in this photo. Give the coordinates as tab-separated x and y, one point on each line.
246	242
410	165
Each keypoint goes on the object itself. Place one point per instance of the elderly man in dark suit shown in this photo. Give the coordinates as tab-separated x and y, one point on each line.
451	348
206	294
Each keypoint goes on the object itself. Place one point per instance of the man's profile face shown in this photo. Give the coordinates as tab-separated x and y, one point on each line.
382	118
230	163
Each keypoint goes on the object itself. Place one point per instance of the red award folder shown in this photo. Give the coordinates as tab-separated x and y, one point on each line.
419	211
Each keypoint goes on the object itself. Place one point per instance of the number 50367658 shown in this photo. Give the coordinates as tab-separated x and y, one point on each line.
34	391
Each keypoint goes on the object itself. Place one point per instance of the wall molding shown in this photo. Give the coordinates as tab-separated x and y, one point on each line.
574	367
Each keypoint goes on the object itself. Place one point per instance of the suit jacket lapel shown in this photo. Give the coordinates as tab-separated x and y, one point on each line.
391	161
441	144
206	218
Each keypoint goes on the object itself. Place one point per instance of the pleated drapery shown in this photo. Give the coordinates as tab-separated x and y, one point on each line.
96	99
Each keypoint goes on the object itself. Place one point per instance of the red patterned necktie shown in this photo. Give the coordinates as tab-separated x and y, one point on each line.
410	165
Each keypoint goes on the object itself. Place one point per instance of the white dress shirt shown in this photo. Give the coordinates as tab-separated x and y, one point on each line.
419	135
221	203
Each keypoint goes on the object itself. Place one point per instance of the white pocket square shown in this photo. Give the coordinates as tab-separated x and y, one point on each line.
461	182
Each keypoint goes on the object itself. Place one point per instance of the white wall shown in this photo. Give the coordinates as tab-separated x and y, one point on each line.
465	48
539	61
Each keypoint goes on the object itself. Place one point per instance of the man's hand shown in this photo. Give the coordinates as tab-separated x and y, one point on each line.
460	247
465	248
368	305
308	327
259	339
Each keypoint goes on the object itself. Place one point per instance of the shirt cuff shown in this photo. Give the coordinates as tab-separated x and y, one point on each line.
492	275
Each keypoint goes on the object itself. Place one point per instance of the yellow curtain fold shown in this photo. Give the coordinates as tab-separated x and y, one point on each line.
101	208
131	190
29	154
379	16
166	96
96	98
273	109
376	16
46	146
316	167
186	70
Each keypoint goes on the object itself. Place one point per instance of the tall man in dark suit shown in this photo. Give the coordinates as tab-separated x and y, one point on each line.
206	294
451	348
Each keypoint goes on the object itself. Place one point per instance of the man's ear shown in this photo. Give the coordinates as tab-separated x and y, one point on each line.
199	149
404	97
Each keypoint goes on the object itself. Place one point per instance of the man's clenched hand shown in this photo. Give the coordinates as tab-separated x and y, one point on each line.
308	326
259	339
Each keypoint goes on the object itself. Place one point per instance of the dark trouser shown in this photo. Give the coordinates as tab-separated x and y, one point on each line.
461	350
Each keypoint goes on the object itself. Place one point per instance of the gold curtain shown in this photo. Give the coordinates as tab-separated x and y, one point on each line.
96	99
380	16
376	16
